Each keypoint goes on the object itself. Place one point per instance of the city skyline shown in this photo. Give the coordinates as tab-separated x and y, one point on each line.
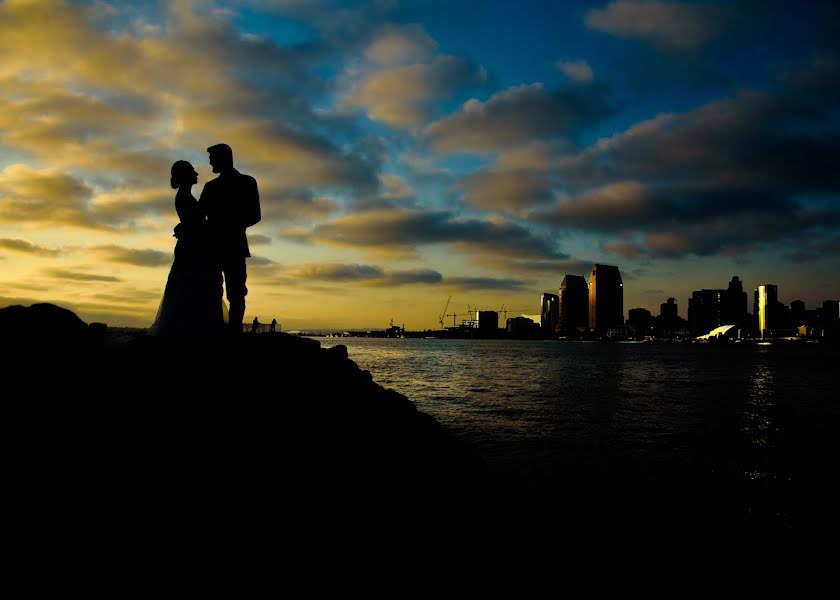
410	151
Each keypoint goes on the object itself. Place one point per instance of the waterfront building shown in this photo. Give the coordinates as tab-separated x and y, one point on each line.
668	310
639	323
606	301
522	327
766	298
669	324
734	307
797	313
574	305
550	313
488	323
829	319
705	310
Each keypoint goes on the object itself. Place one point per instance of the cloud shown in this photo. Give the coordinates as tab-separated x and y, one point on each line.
518	115
260	261
395	187
613	207
578	71
79	276
401	46
484	283
726	177
133	256
509	190
406	78
674	24
258	240
41	197
537	267
285	206
366	274
403	230
26	247
753	139
626	249
114	115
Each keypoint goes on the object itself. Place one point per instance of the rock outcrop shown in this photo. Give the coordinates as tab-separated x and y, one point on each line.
190	430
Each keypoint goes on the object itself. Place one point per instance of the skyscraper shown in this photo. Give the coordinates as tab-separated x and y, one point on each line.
705	310
574	305
734	309
606	300
766	298
549	313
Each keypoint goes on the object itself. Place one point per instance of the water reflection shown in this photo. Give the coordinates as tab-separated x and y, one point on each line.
757	424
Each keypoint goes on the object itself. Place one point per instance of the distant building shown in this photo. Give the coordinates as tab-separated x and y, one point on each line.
669	324
705	310
639	323
709	309
606	300
488	323
734	308
766	298
798	314
522	327
550	313
829	319
574	305
668	309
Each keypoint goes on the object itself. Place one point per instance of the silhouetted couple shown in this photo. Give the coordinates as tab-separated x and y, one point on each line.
211	244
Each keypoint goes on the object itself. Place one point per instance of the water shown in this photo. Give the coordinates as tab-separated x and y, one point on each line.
744	433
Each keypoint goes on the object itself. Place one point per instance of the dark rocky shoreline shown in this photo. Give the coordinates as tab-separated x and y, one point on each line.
222	442
266	408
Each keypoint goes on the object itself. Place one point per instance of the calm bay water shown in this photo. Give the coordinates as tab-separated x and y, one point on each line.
746	433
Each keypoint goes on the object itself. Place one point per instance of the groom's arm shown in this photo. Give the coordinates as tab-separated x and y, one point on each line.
251	214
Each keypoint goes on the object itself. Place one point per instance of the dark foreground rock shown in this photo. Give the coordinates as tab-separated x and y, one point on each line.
262	436
269	451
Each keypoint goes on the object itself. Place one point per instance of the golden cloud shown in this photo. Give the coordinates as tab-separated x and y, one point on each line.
41	197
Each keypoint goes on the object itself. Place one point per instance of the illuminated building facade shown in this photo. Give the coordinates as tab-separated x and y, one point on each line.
766	298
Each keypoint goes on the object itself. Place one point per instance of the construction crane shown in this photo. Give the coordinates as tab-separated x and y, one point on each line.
443	314
502	310
453	315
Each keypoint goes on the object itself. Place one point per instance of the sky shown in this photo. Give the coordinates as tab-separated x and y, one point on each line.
411	152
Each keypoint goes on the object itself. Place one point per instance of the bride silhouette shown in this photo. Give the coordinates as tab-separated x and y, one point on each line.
190	304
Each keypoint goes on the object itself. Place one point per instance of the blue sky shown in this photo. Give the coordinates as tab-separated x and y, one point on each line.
411	151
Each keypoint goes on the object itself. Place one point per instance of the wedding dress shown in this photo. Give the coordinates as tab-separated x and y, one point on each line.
190	303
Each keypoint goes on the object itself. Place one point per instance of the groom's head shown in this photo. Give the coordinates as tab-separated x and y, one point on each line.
221	158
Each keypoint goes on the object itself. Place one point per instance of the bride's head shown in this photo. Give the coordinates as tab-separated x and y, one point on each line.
182	174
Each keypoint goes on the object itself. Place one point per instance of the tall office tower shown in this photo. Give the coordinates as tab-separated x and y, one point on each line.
574	305
606	299
705	310
549	313
734	309
668	310
766	298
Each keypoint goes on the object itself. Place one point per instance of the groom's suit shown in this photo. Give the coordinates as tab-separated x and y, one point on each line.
231	204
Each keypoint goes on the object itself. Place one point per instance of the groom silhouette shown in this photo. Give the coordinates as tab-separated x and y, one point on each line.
231	204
